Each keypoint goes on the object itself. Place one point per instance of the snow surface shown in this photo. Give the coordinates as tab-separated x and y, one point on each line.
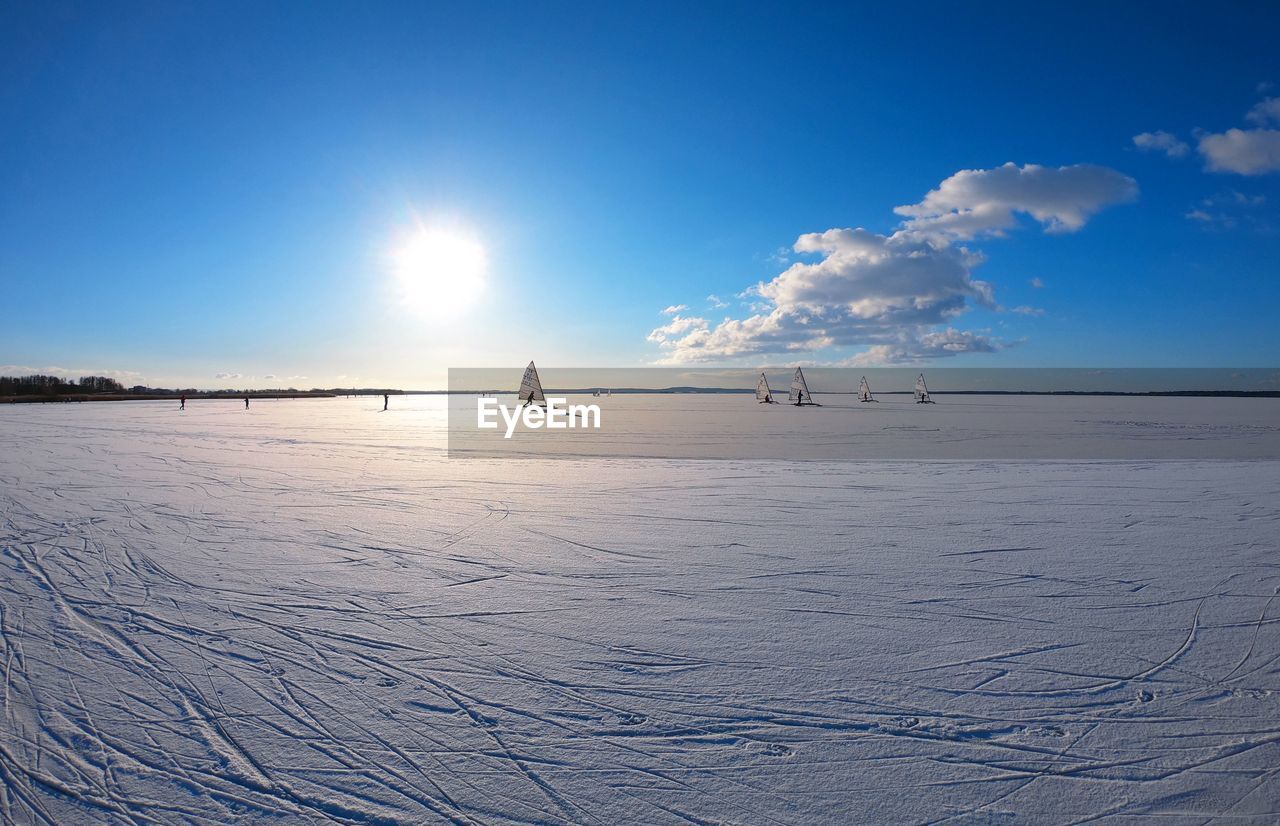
957	427
306	613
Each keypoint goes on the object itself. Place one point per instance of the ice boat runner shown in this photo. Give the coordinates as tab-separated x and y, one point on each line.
922	392
800	391
531	387
864	391
762	391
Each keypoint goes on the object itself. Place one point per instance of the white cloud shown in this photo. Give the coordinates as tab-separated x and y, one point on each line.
1199	215
891	293
984	202
866	289
678	326
1244	151
1264	112
939	344
716	303
675	308
1037	282
227	376
1160	141
1025	310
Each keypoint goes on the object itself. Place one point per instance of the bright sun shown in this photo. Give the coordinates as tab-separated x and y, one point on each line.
440	273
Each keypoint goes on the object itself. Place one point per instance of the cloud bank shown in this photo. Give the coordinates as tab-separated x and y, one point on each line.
926	347
897	294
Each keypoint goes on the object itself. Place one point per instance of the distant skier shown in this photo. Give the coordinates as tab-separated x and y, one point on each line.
246	401
182	404
386	399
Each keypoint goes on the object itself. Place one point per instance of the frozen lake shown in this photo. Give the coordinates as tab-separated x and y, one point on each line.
959	427
307	612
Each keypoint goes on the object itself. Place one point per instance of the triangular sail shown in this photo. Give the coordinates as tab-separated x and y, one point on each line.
762	390
799	389
531	387
922	392
864	391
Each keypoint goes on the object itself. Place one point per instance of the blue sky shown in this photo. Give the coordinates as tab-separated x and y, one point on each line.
191	190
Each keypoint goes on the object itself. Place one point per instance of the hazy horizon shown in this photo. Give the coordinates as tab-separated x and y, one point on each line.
835	380
203	195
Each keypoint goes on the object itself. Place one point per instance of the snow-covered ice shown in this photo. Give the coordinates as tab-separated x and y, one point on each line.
305	612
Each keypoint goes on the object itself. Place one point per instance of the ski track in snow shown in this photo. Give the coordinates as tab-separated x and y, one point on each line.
306	613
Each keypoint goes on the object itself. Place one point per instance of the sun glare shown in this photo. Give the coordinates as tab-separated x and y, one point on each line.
440	273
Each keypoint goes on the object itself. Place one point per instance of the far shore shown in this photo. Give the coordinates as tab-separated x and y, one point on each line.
266	394
152	397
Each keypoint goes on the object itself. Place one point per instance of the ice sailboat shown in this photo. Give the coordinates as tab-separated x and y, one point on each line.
531	387
762	391
800	394
922	392
864	391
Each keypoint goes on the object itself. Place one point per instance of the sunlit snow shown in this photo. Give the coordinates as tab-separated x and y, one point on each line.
306	611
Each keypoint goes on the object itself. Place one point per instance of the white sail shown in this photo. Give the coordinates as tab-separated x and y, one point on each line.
799	389
922	392
762	390
864	391
531	387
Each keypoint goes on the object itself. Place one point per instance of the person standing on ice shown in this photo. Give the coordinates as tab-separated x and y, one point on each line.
246	401
182	403
386	399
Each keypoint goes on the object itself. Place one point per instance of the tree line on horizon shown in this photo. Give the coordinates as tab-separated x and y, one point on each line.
55	386
42	385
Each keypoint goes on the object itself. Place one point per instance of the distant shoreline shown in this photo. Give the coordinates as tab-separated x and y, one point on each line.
1252	394
254	394
155	397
